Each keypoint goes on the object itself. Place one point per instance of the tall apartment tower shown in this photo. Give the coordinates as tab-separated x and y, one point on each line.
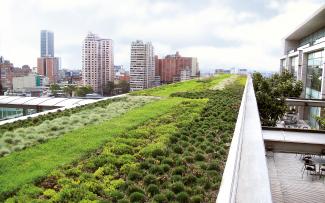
142	66
97	62
47	43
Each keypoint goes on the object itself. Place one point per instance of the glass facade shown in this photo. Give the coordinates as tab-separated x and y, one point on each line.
47	43
312	37
314	75
294	66
313	85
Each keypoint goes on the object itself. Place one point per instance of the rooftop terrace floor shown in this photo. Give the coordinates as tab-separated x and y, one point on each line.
287	184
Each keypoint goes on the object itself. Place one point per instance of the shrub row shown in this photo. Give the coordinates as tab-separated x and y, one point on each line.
190	168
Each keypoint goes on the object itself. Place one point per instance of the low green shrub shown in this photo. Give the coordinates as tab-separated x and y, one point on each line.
116	195
199	157
177	187
179	170
160	198
137	197
154	169
197	199
182	197
169	195
152	189
133	188
134	175
150	179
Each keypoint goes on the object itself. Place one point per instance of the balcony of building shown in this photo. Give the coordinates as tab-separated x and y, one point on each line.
268	164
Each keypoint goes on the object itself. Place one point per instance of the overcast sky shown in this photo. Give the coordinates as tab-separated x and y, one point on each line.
221	33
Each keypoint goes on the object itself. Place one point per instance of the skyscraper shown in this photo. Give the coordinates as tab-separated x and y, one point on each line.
97	62
142	66
47	64
47	43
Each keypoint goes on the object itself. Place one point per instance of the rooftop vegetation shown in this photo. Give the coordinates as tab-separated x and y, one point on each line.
168	150
60	123
192	85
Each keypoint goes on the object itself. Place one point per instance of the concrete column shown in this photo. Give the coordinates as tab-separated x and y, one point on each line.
289	67
39	109
302	73
323	81
25	111
304	61
300	112
306	113
300	64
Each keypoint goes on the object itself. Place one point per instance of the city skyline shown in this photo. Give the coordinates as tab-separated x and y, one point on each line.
208	30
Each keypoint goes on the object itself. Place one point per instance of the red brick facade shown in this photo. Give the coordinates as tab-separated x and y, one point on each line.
7	72
49	67
170	67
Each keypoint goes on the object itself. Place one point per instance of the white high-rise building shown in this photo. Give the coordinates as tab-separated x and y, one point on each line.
142	67
97	62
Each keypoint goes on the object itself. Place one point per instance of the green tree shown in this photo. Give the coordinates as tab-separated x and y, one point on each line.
108	89
69	89
271	94
83	90
55	88
124	85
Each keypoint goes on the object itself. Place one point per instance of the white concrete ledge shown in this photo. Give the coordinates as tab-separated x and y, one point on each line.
245	178
295	137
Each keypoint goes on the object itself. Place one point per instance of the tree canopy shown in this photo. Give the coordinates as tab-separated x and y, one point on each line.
271	94
83	90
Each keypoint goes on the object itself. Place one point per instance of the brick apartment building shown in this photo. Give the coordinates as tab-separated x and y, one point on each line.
49	67
169	68
8	71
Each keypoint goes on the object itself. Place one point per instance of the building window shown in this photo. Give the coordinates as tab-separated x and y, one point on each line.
314	75
294	66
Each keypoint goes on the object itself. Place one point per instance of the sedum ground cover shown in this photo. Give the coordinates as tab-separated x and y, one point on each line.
172	150
192	85
104	172
24	137
31	164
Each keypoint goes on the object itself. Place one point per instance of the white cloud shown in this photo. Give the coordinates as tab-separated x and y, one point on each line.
216	32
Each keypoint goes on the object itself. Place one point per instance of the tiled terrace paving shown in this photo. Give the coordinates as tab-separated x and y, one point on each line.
287	185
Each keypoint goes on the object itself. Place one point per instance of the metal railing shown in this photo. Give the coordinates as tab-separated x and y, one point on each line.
245	177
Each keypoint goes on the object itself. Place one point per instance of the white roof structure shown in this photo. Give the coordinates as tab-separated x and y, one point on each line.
294	136
314	23
48	102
